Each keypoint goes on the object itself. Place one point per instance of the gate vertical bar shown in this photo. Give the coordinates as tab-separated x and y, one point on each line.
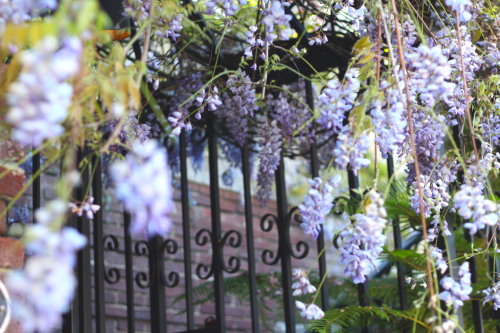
362	287
156	288
186	231
100	312
252	281
398	244
83	263
216	227
315	173
129	273
286	265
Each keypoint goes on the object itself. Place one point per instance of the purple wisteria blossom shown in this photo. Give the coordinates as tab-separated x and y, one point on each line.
431	73
350	150
276	26
389	122
437	255
337	99
291	115
143	182
301	284
43	290
472	206
491	127
318	202
174	27
229	7
363	241
492	294
39	99
239	103
463	8
455	292
270	141
309	311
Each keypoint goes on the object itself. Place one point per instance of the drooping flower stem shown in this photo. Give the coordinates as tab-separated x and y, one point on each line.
412	143
466	94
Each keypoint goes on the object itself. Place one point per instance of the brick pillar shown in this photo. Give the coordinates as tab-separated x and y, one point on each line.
12	181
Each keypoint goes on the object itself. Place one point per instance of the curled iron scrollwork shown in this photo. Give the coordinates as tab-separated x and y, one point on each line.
202	237
171	279
302	248
141	248
267	223
233	239
111	275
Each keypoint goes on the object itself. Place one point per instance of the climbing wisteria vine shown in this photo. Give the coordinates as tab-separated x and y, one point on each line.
357	83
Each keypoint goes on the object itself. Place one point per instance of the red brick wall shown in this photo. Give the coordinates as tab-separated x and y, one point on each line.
12	181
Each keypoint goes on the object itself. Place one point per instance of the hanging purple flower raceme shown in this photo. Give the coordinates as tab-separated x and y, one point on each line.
351	151
363	241
472	206
18	11
143	182
237	105
455	292
270	141
290	115
318	202
43	290
389	122
431	73
337	99
39	99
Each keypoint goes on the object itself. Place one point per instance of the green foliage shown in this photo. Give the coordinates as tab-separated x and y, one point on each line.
341	319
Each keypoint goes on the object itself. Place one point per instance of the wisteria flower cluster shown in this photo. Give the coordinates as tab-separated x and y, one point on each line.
43	290
455	292
363	241
302	286
431	75
318	202
336	99
492	294
351	150
389	122
472	206
269	156
39	99
143	182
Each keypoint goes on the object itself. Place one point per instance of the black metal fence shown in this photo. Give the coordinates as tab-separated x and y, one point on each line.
88	312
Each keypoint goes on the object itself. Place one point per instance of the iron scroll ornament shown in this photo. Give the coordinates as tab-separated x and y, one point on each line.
267	223
232	238
142	279
111	275
170	280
